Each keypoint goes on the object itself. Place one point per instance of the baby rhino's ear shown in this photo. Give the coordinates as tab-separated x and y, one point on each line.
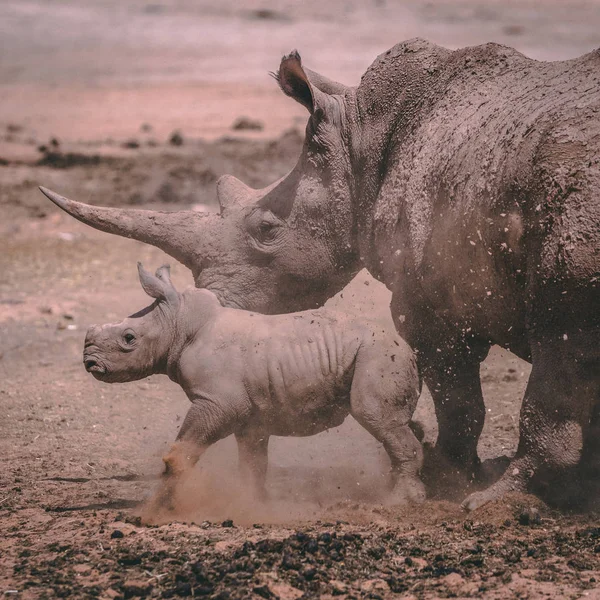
164	274
159	286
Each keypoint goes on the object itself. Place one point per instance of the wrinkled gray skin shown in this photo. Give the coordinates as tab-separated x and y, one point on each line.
258	375
467	181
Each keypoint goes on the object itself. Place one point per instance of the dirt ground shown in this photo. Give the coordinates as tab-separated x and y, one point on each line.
90	95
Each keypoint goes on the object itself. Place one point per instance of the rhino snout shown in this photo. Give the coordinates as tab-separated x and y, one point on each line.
92	365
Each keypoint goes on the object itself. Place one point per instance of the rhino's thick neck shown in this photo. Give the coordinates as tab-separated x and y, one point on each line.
394	96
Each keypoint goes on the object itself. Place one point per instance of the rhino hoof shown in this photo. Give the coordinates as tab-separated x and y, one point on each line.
407	492
478	499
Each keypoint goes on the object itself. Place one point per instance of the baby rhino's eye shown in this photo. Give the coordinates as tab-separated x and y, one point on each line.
129	337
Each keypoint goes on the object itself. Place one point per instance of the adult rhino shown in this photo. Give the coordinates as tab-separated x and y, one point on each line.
467	181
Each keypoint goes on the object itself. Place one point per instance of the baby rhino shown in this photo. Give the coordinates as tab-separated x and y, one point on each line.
256	375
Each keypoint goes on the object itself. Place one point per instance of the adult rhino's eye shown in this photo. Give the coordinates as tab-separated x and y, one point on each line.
128	338
267	230
264	230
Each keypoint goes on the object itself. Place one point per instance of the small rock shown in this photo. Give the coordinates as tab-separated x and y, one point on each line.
513	556
513	29
227	523
285	591
146	127
131	144
176	138
289	562
117	534
418	563
338	587
374	585
183	589
82	568
530	516
46	310
453	580
136	587
11	301
68	316
247	124
268	14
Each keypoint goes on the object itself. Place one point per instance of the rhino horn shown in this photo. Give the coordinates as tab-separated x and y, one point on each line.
180	234
231	193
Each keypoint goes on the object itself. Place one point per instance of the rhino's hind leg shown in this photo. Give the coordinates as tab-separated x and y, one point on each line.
556	418
383	405
253	458
406	457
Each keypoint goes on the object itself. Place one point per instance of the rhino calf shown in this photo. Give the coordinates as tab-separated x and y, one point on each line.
256	375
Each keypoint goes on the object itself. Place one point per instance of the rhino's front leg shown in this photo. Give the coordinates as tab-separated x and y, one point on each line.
253	459
454	382
205	423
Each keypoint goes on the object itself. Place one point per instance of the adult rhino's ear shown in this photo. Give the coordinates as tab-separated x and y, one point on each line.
306	87
158	286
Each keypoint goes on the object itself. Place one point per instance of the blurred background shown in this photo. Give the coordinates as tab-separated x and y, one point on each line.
93	69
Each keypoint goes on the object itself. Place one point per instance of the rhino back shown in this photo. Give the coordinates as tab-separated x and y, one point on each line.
471	174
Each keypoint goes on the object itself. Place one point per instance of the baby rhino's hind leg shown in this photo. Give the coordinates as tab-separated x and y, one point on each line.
383	398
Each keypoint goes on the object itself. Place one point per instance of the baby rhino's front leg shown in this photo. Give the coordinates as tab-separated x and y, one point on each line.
204	424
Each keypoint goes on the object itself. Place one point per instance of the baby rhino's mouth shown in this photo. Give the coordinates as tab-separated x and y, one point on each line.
93	366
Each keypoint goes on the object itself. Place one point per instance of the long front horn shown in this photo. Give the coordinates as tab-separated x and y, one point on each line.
180	234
